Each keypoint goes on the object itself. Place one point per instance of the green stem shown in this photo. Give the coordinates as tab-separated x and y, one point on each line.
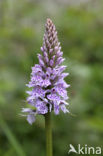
48	129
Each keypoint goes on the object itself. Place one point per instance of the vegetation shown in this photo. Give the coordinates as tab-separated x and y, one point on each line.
80	30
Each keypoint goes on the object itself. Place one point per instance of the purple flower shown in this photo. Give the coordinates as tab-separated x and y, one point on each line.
30	114
48	87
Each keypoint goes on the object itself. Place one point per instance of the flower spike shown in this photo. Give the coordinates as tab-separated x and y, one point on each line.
48	87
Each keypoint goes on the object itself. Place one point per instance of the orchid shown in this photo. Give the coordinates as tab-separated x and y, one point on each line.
48	88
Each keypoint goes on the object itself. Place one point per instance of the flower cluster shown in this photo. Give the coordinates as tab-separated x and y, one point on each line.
47	78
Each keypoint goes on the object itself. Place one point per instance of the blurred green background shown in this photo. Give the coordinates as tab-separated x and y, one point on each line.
80	31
